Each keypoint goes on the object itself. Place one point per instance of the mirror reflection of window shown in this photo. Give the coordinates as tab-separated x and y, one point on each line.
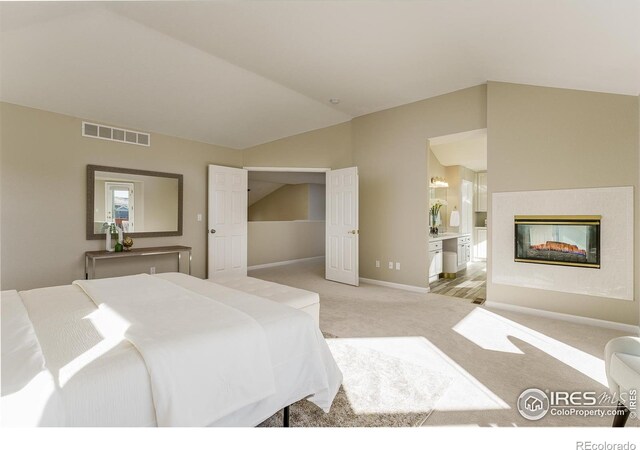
120	205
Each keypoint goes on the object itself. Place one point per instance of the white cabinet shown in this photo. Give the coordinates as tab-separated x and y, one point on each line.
461	246
464	252
435	260
480	244
481	192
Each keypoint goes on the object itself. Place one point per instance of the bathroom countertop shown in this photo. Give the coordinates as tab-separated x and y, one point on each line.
444	236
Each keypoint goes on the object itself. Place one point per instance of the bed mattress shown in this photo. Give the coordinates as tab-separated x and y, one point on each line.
100	383
306	301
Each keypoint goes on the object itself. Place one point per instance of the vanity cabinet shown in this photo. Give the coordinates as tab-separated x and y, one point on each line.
435	260
464	252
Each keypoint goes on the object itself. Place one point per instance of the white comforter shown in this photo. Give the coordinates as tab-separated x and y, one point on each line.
101	382
205	359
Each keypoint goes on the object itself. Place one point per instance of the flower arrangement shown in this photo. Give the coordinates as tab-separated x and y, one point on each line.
434	211
435	205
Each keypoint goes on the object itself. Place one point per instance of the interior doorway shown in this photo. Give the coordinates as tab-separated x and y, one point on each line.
286	217
457	173
229	212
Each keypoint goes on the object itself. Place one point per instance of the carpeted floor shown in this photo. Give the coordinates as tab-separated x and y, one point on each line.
422	359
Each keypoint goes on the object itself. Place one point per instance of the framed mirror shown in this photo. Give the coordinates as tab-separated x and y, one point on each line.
140	202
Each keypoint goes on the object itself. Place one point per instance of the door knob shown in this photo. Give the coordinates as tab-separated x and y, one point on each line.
213	231
353	232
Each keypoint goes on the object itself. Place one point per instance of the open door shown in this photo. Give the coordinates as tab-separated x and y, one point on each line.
227	219
342	234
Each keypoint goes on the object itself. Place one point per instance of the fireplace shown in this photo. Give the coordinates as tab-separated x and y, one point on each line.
558	240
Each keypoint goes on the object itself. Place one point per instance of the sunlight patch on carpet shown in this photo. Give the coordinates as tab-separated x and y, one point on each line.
491	331
376	382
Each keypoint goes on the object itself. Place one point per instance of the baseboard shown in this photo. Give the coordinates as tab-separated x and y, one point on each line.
284	263
632	329
404	287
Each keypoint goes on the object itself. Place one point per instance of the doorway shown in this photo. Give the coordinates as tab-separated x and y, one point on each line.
229	213
457	173
286	217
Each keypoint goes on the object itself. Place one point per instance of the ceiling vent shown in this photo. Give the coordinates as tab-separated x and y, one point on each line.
94	130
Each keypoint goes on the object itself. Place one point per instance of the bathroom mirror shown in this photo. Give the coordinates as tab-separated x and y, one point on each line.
140	202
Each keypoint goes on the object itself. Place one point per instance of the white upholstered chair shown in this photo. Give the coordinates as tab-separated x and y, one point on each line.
622	363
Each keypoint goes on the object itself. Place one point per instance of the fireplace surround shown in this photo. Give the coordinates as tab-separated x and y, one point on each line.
560	240
613	280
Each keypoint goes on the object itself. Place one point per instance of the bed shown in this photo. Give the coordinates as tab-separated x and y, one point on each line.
161	350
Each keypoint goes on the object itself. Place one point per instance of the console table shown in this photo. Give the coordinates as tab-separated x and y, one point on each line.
92	257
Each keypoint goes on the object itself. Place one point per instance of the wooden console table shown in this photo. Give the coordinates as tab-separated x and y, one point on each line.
92	257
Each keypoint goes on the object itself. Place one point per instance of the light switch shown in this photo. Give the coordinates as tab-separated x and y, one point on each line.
377	264
391	265
199	217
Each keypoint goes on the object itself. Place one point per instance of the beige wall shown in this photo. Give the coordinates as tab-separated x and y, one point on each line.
287	224
544	138
271	242
327	147
435	168
290	202
389	148
317	201
43	189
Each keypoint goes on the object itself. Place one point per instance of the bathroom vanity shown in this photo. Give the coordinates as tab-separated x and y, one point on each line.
449	253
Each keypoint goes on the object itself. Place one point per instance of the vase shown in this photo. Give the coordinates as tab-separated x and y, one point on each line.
433	228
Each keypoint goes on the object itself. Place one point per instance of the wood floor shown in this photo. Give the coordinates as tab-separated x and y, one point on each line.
470	285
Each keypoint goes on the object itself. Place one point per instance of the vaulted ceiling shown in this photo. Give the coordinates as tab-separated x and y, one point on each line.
242	73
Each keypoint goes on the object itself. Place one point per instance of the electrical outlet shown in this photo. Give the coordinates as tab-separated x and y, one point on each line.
391	265
199	217
152	270
377	264
397	266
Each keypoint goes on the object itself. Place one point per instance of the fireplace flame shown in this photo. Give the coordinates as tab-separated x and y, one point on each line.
562	247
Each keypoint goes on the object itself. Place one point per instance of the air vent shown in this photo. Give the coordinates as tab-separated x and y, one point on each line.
94	130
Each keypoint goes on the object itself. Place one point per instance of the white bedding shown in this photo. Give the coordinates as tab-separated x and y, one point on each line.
29	394
205	359
105	383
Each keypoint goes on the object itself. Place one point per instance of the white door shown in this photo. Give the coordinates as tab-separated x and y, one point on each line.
342	234
227	218
481	203
481	245
466	207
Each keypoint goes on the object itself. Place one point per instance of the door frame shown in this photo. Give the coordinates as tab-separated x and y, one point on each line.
286	169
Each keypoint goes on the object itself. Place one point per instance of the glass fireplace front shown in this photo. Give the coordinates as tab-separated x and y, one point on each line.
558	240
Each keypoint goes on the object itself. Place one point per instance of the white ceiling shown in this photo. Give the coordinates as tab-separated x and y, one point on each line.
242	73
464	149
